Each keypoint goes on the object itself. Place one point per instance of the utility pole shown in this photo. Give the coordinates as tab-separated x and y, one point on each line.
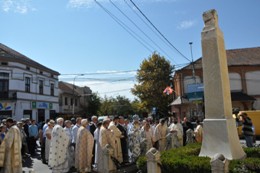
73	93
192	63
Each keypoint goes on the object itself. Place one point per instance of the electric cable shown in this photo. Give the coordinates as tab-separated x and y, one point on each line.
159	31
125	27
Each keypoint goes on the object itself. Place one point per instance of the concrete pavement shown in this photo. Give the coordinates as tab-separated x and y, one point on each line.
34	164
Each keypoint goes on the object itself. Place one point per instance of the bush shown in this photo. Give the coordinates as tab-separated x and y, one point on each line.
248	165
186	159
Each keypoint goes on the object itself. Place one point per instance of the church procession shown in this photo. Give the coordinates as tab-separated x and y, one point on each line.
112	143
78	144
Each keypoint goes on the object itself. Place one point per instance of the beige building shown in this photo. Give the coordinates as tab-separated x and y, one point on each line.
73	101
244	76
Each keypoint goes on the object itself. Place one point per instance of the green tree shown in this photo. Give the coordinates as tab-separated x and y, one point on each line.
139	108
94	104
153	77
116	106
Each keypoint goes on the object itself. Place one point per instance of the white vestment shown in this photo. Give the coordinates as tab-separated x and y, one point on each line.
59	150
116	142
104	139
10	151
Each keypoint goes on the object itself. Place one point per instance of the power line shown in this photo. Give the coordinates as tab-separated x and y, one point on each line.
101	73
158	31
138	27
148	26
125	27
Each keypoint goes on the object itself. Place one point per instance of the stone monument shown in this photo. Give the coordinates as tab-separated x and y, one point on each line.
219	127
153	161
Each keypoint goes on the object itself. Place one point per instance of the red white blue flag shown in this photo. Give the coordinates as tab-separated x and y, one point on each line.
168	90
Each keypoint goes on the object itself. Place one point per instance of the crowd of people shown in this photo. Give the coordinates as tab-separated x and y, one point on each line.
79	143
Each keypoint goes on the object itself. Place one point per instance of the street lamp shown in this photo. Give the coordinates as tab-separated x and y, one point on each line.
73	92
192	63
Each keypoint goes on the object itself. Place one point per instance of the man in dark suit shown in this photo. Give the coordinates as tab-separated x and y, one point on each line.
122	128
92	128
186	125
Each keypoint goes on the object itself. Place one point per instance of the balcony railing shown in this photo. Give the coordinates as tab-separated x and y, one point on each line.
8	95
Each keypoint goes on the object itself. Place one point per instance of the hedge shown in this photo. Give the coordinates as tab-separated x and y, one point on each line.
186	159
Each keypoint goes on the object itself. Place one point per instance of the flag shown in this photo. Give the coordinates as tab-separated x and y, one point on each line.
168	90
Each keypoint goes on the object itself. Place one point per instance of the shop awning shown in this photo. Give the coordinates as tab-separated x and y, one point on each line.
179	101
239	96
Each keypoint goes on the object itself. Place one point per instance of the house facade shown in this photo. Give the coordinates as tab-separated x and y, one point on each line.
244	77
73	100
27	88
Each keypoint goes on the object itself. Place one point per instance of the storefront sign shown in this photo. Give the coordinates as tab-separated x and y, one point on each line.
41	105
195	92
5	106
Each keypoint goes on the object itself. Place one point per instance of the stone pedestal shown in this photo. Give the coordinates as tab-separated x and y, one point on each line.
219	164
219	130
153	161
109	165
220	136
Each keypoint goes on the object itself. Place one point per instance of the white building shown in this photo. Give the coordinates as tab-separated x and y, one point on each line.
27	88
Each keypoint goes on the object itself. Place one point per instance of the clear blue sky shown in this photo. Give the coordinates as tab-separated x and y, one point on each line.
77	36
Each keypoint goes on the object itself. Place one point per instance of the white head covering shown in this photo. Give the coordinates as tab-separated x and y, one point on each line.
84	122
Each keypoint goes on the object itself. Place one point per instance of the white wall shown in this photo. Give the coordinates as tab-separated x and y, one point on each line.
235	82
190	80
253	83
257	104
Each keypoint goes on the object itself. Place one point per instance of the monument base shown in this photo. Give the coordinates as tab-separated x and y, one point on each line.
220	136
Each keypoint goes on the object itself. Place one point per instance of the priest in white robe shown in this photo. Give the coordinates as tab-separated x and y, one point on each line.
10	149
84	147
176	128
104	139
116	142
59	149
160	133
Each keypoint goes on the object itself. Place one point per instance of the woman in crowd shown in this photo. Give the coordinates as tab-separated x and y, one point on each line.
147	136
2	132
51	124
198	132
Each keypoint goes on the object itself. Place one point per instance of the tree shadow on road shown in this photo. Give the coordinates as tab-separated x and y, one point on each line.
27	162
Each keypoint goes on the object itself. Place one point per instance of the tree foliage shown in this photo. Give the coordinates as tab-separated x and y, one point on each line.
116	106
153	77
94	104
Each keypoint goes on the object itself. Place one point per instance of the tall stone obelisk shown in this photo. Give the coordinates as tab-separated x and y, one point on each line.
219	127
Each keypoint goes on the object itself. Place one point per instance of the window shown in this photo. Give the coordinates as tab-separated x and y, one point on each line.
41	72
27	84
40	86
76	102
4	85
27	68
66	101
52	89
4	63
71	101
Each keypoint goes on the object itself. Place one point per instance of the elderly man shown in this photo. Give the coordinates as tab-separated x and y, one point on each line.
160	133
92	128
58	157
104	139
176	128
75	130
117	134
84	147
10	149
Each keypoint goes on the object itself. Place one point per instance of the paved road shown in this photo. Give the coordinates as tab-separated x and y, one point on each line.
35	165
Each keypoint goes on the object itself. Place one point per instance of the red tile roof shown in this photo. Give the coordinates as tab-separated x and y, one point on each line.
8	54
236	57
